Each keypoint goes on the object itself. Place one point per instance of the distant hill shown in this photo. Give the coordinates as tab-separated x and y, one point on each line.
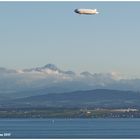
21	83
99	98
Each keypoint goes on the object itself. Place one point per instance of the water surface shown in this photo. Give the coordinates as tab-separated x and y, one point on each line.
70	128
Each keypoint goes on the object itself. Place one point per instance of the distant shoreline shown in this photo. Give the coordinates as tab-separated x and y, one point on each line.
69	113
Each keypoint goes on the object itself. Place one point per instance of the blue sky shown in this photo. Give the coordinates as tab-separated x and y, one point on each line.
36	33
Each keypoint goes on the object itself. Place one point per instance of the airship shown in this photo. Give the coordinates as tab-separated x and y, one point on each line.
86	11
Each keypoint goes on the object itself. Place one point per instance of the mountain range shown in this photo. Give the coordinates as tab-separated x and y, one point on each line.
49	86
99	98
24	83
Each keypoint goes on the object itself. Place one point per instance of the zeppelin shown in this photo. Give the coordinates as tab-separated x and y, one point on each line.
86	11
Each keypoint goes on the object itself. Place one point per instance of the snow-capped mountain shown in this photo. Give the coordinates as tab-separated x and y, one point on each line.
52	79
49	68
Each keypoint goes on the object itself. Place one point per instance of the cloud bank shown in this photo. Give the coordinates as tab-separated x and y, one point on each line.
53	79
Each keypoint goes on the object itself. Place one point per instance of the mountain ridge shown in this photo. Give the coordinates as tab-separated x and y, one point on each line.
19	83
99	98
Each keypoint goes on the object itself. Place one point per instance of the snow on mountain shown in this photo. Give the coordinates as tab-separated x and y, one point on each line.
86	73
48	69
52	78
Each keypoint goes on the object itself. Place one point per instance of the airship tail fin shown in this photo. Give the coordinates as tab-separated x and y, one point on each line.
96	11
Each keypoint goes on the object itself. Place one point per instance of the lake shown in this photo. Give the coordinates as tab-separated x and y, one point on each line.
70	128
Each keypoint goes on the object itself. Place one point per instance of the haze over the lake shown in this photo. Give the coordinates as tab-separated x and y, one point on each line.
33	34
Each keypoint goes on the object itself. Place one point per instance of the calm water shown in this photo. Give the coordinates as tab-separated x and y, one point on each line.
69	128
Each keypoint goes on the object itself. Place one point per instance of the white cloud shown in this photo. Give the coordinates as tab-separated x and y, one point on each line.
50	76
